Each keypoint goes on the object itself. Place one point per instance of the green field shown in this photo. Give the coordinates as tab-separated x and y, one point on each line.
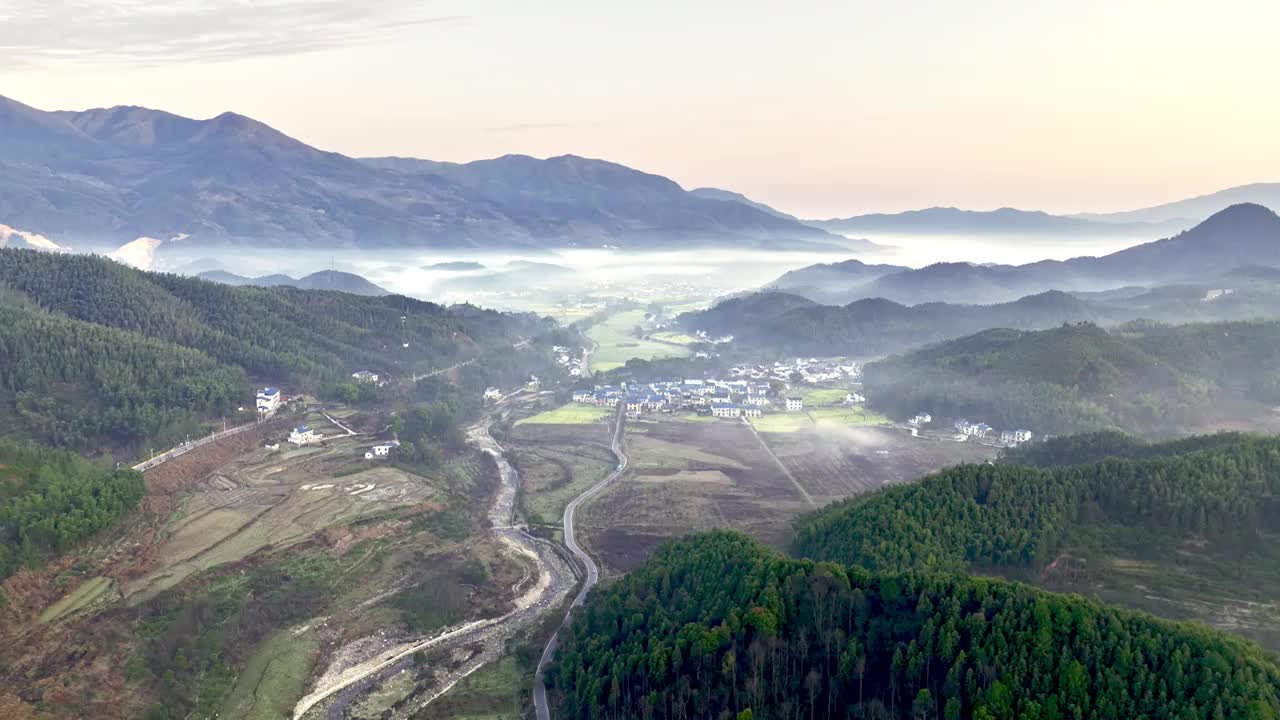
824	396
678	338
791	422
571	414
490	693
274	678
782	422
852	415
83	596
616	343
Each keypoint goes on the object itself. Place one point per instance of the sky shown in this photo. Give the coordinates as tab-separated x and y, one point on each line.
820	108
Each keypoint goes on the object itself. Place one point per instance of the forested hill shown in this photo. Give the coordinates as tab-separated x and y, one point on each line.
92	351
717	626
789	324
1145	377
1018	516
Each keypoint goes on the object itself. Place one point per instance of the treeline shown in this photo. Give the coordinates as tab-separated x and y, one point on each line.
1019	517
51	500
1080	378
718	627
1098	446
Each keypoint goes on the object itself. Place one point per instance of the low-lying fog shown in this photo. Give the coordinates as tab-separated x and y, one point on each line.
501	279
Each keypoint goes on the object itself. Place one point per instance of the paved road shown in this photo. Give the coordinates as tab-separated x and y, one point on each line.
188	447
593	571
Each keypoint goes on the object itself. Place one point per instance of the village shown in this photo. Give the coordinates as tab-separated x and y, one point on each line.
751	391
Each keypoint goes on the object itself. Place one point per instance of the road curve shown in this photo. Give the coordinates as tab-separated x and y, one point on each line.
593	571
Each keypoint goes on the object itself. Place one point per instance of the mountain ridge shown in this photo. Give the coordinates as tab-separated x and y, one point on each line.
101	177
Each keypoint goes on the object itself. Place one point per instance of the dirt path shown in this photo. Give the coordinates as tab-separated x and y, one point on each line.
541	709
799	488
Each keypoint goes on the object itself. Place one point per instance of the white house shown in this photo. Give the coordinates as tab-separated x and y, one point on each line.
726	411
378	451
1013	437
303	435
795	404
852	398
752	412
492	393
921	419
584	396
268	400
757	400
365	376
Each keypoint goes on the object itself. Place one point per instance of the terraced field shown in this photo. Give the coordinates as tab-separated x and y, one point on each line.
276	498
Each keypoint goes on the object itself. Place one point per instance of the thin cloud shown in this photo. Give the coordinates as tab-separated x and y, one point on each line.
522	127
40	32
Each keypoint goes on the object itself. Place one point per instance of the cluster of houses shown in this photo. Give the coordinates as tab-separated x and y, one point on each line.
570	360
810	370
713	339
982	430
718	398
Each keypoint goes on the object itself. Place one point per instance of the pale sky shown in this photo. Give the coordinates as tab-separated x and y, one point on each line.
820	108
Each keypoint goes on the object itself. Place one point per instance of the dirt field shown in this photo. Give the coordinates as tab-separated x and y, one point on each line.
832	463
557	462
685	477
691	476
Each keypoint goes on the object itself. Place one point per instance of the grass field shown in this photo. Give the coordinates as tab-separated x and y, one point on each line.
490	693
273	679
782	422
851	415
824	396
85	595
616	344
678	338
571	414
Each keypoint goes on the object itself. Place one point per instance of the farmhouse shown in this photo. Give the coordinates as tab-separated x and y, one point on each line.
365	376
726	411
1013	437
795	404
268	400
492	393
922	418
378	451
303	435
852	398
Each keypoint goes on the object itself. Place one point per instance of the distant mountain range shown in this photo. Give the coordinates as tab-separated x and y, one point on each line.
1005	221
323	280
1245	235
101	178
1188	211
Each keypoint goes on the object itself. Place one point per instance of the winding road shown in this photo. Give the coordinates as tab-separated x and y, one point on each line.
593	571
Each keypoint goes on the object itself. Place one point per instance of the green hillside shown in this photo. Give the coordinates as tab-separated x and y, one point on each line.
94	353
1187	529
1140	377
717	626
